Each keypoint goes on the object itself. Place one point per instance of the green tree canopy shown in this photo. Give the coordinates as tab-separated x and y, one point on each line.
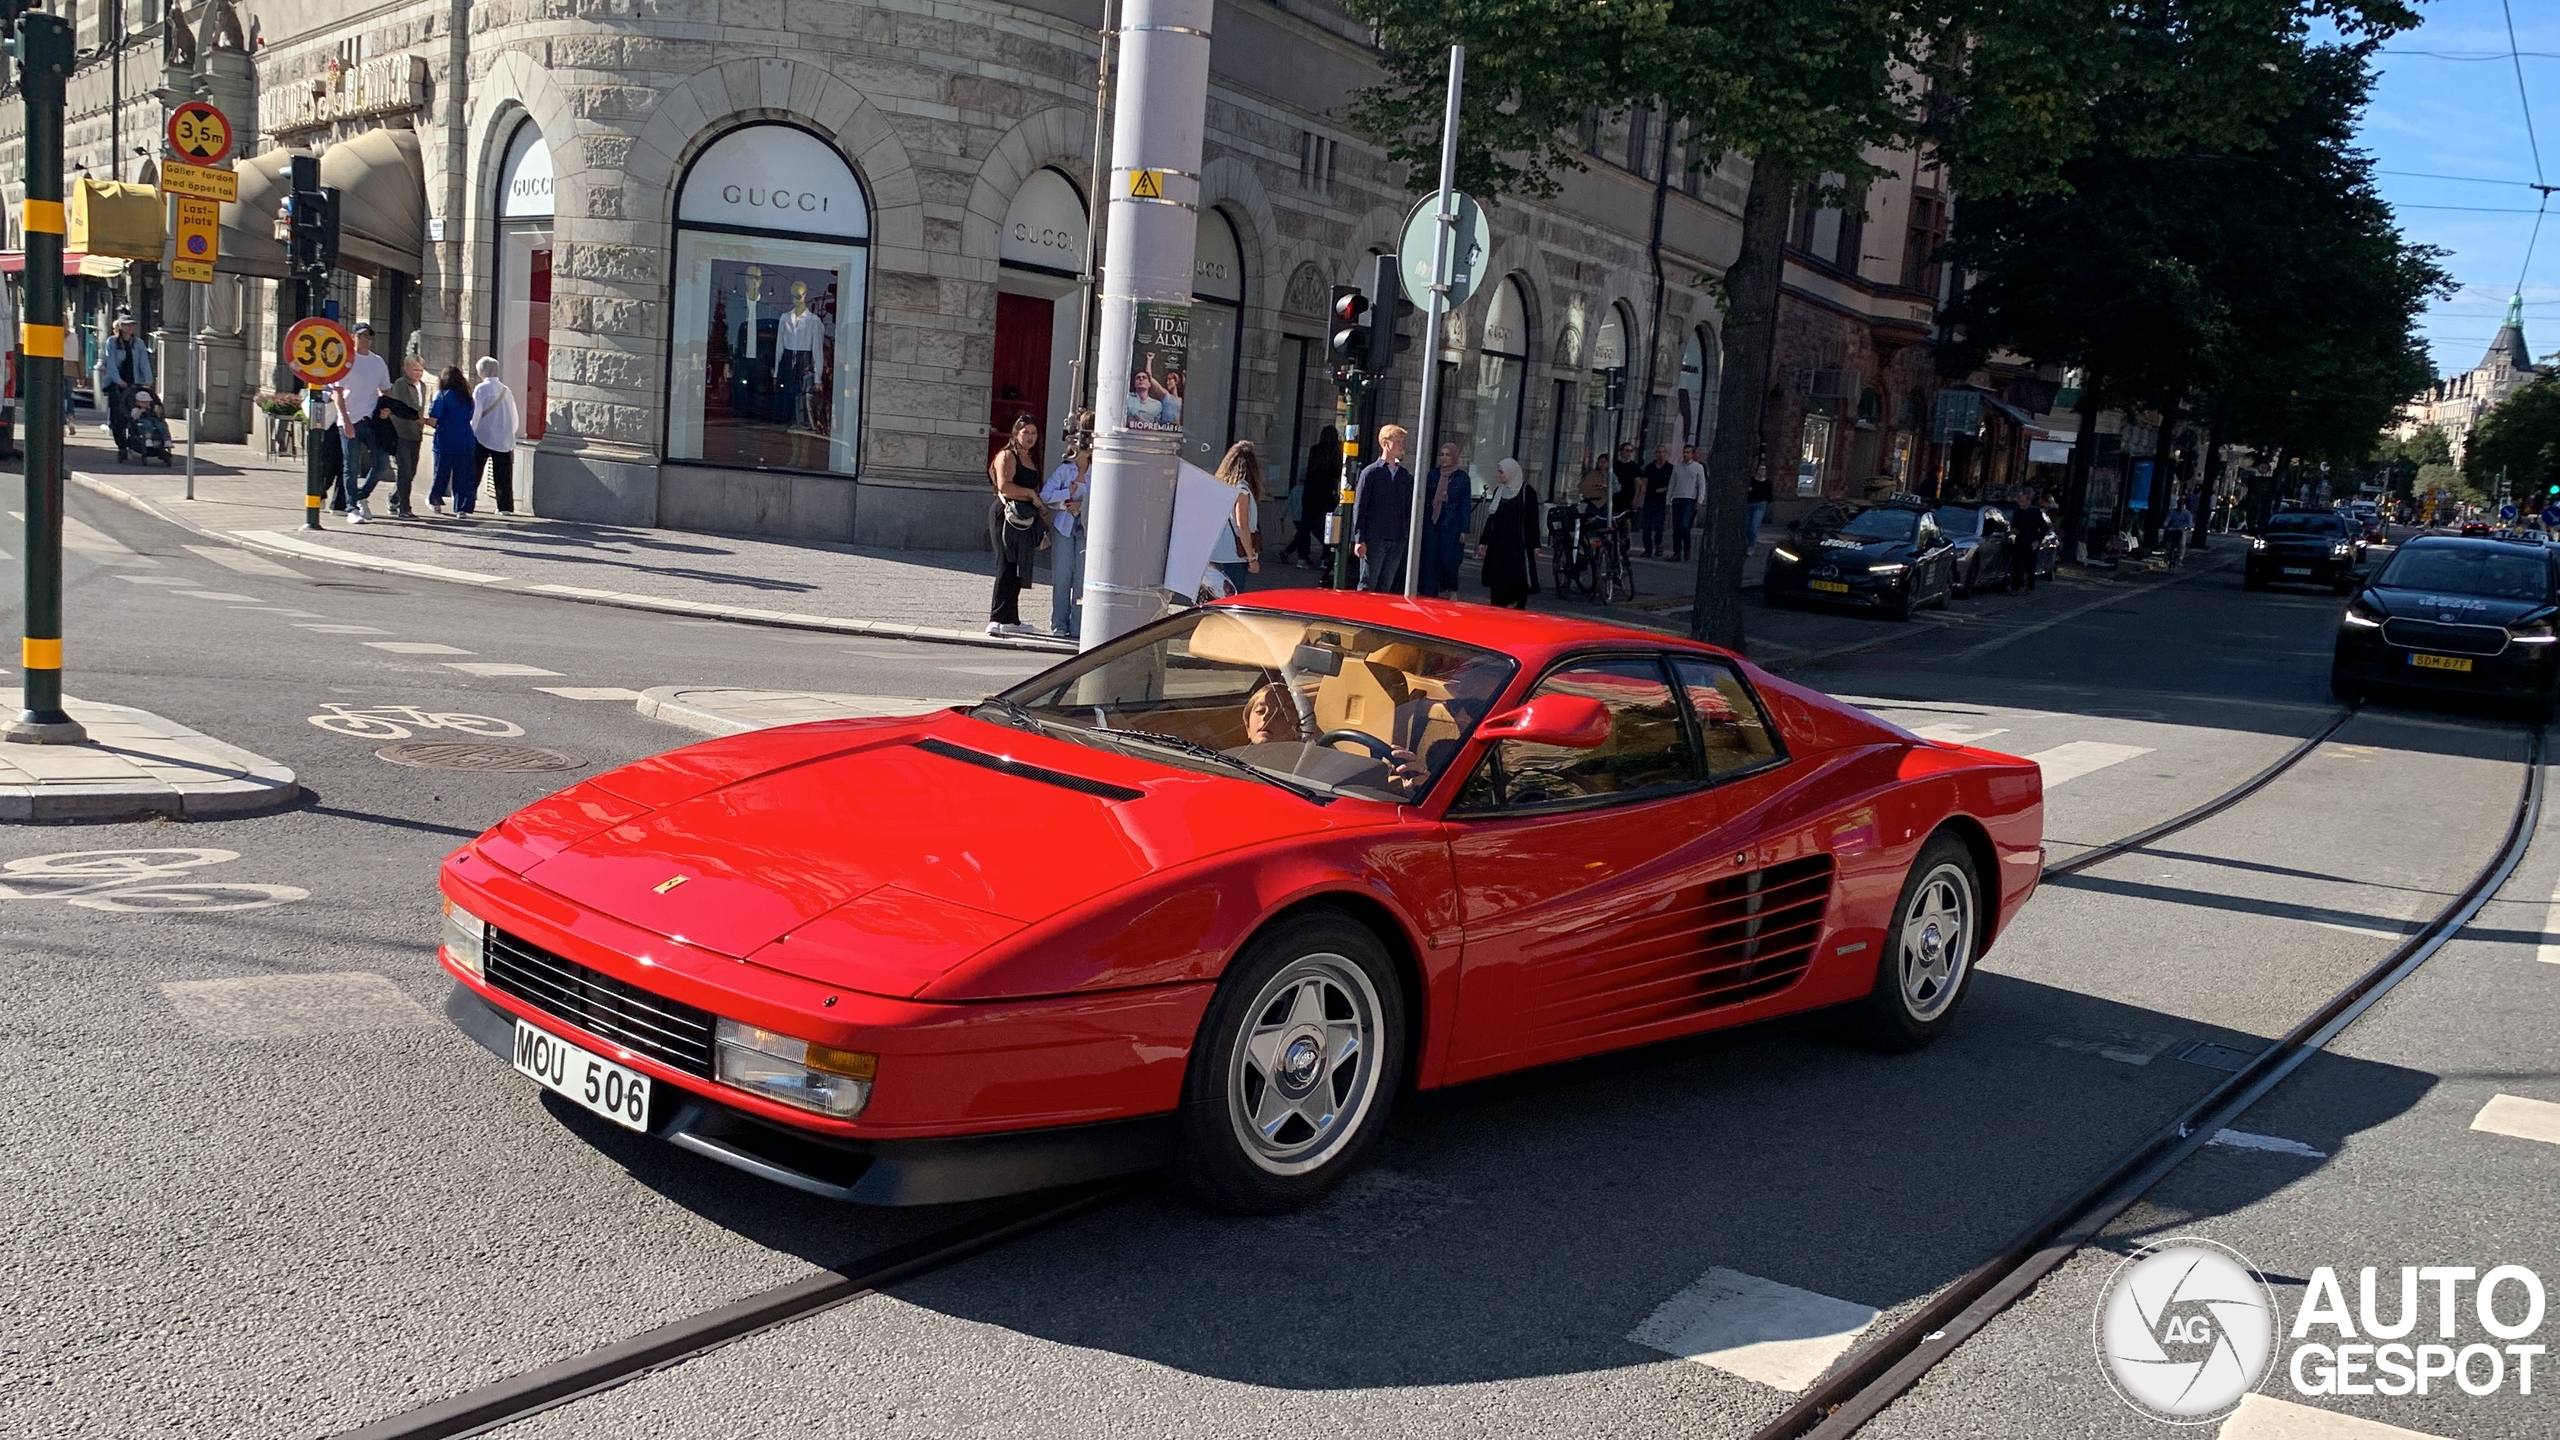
2519	440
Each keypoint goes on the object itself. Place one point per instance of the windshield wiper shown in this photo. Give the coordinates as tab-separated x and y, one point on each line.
1013	710
1206	752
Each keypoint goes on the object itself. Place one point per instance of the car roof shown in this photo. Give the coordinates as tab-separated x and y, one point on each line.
2467	542
1517	632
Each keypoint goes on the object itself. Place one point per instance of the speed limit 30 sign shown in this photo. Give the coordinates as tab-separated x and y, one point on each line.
318	350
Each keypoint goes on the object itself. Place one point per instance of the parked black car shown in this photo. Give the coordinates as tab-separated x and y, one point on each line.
1983	536
2302	547
2453	615
1890	557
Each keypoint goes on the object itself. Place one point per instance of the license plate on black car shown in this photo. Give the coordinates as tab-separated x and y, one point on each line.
1831	587
2297	569
2441	662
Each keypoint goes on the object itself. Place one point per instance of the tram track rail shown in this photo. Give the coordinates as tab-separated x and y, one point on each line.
1841	1403
517	1397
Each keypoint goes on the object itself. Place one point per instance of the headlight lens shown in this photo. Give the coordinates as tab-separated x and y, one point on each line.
2539	633
2361	616
2341	548
465	940
2257	542
1887	572
796	1072
1782	553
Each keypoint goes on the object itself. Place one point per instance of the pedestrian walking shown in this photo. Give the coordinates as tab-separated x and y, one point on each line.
1063	496
321	454
1688	487
495	423
1653	499
2028	527
1382	514
124	366
1239	548
1626	480
1448	505
1755	507
2174	528
407	401
1510	545
457	449
1013	524
1319	485
363	464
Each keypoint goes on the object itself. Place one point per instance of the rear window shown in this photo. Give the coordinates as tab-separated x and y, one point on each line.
2302	525
2501	573
1959	520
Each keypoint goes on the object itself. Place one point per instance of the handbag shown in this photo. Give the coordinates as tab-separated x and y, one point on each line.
1021	514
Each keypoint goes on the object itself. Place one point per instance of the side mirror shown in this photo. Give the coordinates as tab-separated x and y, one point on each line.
1576	722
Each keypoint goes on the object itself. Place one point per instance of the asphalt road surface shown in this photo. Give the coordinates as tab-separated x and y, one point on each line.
260	1188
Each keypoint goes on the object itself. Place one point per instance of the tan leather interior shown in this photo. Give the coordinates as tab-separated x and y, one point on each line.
1363	697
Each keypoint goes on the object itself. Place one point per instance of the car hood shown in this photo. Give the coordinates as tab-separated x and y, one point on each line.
879	861
2297	540
1850	552
2439	608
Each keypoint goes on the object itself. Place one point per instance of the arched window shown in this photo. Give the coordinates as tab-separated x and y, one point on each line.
1606	398
1502	367
772	249
1701	371
1217	303
523	319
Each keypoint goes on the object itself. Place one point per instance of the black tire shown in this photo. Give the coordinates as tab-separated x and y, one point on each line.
1900	610
1318	957
1772	596
1901	1017
2344	690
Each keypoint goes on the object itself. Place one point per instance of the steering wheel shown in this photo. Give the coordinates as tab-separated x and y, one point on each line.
1366	741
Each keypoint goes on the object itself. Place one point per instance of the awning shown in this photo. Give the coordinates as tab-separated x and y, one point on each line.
382	216
249	243
116	218
74	265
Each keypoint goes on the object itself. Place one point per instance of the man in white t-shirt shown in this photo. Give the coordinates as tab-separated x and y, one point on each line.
366	458
494	424
1688	487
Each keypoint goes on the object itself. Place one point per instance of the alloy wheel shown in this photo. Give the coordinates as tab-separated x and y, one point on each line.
1305	1069
1937	941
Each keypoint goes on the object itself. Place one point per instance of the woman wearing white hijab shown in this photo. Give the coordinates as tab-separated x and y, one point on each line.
1510	540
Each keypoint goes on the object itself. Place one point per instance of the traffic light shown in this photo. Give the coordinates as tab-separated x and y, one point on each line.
312	211
1387	339
1350	345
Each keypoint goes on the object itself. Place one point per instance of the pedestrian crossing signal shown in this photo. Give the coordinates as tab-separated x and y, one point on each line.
1350	345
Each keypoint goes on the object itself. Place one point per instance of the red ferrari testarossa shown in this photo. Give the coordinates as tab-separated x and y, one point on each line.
1210	896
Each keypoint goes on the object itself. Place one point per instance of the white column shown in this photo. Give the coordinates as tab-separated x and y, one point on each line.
1160	110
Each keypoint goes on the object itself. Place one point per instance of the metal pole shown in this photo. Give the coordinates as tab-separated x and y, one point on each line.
44	64
195	376
1443	237
1080	373
1163	102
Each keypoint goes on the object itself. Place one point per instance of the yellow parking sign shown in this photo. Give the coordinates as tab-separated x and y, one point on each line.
197	240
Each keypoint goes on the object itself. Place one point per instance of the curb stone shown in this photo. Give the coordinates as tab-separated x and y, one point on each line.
169	771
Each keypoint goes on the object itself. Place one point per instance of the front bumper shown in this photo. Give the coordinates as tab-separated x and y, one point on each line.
2517	672
1858	588
932	1171
2276	567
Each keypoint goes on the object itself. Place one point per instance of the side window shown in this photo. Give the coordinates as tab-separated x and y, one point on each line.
1647	750
1732	728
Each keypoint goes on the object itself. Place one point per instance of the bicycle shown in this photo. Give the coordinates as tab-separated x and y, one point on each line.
1612	577
392	722
1568	557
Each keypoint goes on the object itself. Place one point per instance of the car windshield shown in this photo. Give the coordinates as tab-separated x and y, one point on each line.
1959	521
2517	574
1323	707
1881	525
2302	525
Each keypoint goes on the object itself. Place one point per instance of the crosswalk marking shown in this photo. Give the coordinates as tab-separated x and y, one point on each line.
414	647
2522	1118
99	547
342	629
157	579
2548	952
1758	1329
244	562
495	667
589	692
2261	1418
2272	1144
222	595
2069	762
1955	734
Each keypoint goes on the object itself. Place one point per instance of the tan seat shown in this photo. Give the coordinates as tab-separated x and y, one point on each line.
1363	697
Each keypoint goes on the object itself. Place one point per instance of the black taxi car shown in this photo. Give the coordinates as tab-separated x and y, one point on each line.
2303	547
1890	556
2455	615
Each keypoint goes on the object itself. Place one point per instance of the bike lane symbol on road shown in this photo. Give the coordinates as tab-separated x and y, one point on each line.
399	722
137	882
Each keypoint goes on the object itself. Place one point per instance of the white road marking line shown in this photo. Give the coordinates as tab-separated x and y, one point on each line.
97	544
277	1007
495	667
1014	672
280	610
1956	734
157	579
414	647
1758	1329
2548	952
244	562
274	540
589	692
224	595
2261	1418
2273	1144
2522	1118
2081	757
1976	652
342	629
2125	1047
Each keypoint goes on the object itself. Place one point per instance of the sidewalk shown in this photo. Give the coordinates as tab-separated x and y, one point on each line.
135	765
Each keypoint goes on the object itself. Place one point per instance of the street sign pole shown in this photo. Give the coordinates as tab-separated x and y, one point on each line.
1442	240
44	64
195	378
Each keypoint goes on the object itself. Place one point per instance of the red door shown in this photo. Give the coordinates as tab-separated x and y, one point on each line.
1023	330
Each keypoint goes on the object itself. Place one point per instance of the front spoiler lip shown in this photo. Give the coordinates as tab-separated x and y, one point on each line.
930	1171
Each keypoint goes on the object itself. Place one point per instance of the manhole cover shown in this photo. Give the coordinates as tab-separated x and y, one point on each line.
476	755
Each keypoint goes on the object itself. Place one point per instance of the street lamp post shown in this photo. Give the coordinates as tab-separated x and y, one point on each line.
44	53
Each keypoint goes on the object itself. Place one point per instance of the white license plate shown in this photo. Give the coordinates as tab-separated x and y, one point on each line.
617	1094
2297	569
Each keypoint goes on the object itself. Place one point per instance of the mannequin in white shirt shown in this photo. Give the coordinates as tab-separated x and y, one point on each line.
797	338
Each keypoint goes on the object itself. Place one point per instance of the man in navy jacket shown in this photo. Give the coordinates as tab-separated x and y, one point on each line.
1382	514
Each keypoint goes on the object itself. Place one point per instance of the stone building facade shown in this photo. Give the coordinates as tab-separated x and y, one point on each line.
2456	403
786	267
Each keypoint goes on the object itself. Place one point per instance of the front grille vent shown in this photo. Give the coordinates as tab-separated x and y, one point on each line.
653	1025
2448	639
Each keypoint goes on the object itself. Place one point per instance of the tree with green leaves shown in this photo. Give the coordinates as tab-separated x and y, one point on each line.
2519	441
1812	87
